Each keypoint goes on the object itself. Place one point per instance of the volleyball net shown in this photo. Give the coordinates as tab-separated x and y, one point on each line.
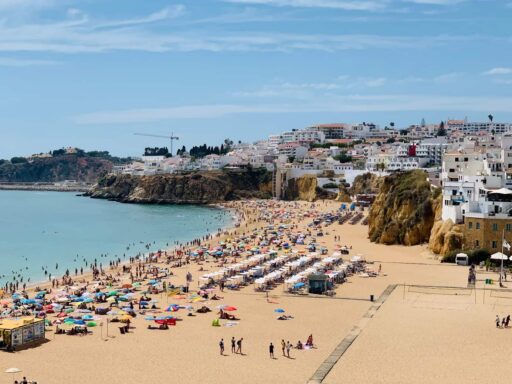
438	290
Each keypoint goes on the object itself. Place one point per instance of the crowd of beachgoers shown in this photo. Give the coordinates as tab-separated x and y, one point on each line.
271	244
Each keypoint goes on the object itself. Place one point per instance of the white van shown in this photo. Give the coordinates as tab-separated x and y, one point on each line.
461	259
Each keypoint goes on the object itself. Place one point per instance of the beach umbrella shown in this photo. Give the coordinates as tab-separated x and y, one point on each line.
279	310
229	308
494	256
13	371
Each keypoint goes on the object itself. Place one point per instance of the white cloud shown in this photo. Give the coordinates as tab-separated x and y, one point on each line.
447	77
435	2
498	71
349	103
164	14
17	4
312	89
81	35
332	4
15	62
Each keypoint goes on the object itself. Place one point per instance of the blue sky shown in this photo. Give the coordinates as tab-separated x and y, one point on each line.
90	73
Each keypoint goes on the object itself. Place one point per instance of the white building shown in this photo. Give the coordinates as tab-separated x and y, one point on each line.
294	150
474	127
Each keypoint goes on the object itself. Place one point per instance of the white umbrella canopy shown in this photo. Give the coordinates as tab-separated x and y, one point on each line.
499	256
13	370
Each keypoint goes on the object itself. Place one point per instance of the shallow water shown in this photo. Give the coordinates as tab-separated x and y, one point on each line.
42	229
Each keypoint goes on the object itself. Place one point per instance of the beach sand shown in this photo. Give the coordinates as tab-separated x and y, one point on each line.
189	352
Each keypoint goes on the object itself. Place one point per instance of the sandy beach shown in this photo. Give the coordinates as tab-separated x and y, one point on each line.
189	351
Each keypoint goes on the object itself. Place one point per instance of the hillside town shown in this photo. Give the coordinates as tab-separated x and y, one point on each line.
470	161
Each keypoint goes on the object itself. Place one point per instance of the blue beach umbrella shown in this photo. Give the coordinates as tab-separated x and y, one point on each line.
279	310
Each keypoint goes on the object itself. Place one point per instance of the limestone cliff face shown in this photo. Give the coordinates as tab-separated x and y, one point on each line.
54	169
403	211
306	188
446	236
367	183
195	188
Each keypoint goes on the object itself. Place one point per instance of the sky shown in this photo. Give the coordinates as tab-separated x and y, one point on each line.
91	73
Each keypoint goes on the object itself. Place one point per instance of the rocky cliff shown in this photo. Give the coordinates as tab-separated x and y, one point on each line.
67	167
306	188
193	188
403	211
446	236
367	183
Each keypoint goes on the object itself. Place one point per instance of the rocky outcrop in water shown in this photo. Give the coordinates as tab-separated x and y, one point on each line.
192	188
403	211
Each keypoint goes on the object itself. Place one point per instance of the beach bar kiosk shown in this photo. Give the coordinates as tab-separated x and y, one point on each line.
318	283
18	332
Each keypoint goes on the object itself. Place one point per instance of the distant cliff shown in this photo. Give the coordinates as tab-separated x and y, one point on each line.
193	188
403	211
54	169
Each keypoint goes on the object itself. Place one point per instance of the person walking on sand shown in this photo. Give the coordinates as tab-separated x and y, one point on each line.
221	346
283	346
271	350
497	321
288	347
233	345
239	346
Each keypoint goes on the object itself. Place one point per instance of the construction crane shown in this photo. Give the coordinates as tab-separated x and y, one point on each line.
172	137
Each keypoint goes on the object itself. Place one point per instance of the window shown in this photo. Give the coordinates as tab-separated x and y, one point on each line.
470	225
494	244
508	227
495	227
477	243
477	225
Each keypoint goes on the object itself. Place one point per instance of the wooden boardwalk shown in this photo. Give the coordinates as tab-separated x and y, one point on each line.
324	369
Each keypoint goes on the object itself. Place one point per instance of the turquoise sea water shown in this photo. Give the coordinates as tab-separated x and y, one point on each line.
41	229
